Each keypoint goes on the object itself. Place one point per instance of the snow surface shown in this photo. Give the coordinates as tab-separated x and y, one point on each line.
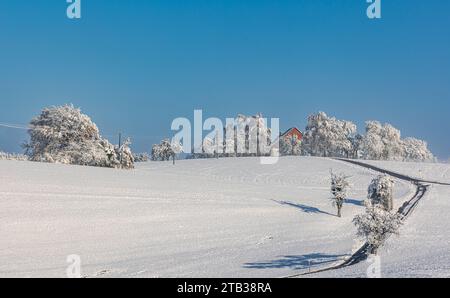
228	217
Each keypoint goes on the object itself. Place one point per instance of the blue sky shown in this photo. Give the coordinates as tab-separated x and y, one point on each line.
134	66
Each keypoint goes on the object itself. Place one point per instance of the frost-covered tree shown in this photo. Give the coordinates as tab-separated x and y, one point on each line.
210	146
328	137
339	188
393	147
357	146
290	145
65	135
379	220
375	225
380	192
384	142
12	156
160	151
373	143
126	157
141	157
165	150
242	136
177	148
417	150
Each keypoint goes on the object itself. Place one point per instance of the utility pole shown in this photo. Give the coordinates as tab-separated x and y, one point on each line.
120	149
217	144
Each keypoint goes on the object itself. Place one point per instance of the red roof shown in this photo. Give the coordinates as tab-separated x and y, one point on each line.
293	131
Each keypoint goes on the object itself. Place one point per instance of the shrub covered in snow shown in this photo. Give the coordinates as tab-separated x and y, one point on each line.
328	137
165	150
125	156
339	188
379	220
141	157
12	156
380	192
64	135
375	225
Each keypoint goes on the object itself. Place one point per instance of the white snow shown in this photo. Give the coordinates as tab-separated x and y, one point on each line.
230	217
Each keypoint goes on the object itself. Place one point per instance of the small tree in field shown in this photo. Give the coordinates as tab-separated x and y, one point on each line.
177	148
379	221
380	192
375	225
166	150
126	157
339	187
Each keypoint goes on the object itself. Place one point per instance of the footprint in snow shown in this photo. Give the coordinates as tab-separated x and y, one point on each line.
265	240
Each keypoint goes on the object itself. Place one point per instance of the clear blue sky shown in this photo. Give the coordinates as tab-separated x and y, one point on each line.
133	66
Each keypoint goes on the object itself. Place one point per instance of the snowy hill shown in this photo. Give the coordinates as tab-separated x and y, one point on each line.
202	218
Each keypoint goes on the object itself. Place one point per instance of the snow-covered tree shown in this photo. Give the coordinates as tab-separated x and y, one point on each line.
166	150
126	158
357	146
328	137
242	136
141	157
64	135
380	192
375	225
393	147
417	150
12	156
177	148
339	188
384	142
160	151
379	220
373	145
290	145
210	146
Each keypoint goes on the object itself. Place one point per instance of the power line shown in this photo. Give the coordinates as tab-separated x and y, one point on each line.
14	126
135	137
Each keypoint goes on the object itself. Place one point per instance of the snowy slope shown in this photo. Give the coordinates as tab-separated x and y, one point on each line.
201	218
422	250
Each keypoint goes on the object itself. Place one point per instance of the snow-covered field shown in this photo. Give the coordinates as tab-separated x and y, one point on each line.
205	218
